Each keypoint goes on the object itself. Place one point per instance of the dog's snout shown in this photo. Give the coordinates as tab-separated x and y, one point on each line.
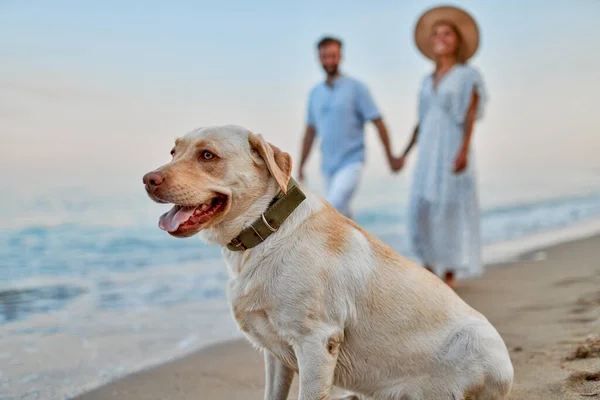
153	179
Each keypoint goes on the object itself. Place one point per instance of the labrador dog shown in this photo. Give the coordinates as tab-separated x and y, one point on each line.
320	296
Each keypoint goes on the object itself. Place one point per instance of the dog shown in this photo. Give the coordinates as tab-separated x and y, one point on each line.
320	296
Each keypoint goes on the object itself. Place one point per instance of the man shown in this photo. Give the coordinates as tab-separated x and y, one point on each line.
338	109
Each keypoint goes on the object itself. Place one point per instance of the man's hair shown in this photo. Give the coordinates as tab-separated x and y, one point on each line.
327	40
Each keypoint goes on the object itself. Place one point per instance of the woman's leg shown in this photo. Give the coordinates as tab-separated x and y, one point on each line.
450	279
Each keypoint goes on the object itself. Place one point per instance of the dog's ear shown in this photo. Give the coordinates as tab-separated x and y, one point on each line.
279	163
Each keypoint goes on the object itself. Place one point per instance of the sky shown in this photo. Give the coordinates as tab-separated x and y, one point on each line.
94	92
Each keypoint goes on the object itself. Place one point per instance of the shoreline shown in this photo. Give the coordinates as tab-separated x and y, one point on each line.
511	251
529	258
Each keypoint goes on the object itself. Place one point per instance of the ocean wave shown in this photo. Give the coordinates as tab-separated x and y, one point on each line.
104	256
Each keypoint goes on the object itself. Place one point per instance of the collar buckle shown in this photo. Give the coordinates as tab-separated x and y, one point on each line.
239	244
279	210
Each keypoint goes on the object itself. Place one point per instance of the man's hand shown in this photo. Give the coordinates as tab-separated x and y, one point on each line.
395	163
461	161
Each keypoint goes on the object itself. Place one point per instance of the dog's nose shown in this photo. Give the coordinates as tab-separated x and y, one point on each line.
153	179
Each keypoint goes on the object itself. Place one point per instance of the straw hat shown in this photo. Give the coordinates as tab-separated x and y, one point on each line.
465	24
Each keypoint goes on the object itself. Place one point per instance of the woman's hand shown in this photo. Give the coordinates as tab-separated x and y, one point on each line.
461	161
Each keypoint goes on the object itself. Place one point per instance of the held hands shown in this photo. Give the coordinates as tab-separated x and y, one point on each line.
396	163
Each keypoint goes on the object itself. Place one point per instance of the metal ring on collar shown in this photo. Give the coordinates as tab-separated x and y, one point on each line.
267	224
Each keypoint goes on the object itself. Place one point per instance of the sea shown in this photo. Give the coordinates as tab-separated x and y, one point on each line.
92	290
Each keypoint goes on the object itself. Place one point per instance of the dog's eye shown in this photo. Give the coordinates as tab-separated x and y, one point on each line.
173	153
207	155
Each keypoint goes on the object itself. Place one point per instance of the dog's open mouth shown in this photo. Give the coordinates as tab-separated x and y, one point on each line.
181	219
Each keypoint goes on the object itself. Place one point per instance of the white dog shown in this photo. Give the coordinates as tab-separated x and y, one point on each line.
319	295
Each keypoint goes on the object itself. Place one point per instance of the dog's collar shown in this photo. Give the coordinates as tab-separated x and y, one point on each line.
269	222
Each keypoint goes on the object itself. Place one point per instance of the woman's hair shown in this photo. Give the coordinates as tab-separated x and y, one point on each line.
459	49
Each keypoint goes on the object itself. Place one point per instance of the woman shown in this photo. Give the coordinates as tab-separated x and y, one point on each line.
443	207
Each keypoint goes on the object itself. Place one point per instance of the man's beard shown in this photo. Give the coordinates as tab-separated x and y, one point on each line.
331	72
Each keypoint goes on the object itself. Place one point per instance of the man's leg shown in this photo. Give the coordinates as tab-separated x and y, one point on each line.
342	186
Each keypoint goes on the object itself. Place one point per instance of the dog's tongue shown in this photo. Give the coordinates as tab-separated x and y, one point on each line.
176	216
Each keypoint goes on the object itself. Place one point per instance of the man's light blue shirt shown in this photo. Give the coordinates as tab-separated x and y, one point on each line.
339	113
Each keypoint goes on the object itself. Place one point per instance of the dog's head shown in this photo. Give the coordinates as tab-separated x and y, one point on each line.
218	175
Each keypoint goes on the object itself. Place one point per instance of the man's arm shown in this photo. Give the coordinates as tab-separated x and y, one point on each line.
369	112
385	140
399	162
307	142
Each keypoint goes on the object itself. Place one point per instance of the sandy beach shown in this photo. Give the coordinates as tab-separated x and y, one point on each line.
547	308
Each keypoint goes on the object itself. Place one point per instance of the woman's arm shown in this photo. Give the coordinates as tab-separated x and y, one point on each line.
385	138
461	160
412	142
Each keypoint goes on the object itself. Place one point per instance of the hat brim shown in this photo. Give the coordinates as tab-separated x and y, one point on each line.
465	24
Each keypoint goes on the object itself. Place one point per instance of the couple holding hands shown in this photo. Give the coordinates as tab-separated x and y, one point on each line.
443	216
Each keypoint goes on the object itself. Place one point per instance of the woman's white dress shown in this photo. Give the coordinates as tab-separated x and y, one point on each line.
443	223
